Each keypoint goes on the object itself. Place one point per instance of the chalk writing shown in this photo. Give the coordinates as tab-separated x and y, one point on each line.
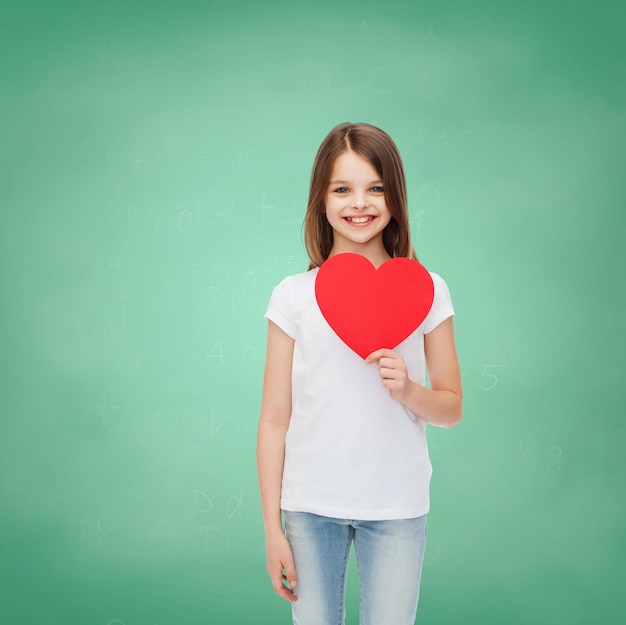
549	458
238	160
215	541
263	208
101	535
119	312
233	507
210	427
425	33
159	531
113	366
201	502
244	427
107	413
555	460
488	379
185	218
426	200
216	353
442	138
245	299
272	264
248	358
224	207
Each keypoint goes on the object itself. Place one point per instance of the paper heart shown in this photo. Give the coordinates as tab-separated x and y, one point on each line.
371	308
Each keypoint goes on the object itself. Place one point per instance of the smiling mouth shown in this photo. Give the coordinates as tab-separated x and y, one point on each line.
360	220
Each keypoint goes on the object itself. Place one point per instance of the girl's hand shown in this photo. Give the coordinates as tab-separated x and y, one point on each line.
281	568
393	372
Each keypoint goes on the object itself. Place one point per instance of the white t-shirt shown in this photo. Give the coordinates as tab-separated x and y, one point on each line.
351	451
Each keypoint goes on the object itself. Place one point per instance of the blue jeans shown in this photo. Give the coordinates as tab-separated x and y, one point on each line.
389	558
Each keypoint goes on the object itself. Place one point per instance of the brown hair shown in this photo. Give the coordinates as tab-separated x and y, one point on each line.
376	147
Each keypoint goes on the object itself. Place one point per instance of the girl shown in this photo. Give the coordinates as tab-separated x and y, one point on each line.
341	444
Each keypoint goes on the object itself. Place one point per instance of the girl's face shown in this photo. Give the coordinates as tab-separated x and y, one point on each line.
355	205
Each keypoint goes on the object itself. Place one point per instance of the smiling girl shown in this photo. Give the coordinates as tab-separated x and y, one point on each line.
342	446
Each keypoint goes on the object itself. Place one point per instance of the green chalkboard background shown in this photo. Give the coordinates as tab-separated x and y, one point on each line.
154	170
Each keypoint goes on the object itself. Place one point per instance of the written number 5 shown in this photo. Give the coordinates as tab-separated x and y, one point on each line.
491	379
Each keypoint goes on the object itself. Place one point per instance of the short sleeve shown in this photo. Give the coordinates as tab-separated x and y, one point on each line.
279	309
442	305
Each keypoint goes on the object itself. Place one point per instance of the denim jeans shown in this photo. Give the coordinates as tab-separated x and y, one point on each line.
389	560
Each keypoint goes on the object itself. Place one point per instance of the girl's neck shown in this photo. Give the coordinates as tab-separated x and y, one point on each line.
375	253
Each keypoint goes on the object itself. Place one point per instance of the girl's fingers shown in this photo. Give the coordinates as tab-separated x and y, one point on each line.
388	363
284	591
290	575
378	354
386	372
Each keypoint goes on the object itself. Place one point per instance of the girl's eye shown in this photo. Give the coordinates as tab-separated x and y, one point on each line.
377	190
341	190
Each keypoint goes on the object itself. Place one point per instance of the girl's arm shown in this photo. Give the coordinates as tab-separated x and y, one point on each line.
273	424
442	403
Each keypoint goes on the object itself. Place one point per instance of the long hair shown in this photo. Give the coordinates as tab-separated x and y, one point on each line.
378	149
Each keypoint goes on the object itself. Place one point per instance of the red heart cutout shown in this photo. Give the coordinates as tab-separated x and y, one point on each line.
371	308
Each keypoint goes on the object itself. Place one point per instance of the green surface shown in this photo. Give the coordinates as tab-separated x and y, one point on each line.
154	168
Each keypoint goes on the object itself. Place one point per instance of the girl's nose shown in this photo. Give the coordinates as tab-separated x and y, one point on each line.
360	203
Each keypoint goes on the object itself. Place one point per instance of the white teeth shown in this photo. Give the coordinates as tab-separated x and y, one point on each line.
359	220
